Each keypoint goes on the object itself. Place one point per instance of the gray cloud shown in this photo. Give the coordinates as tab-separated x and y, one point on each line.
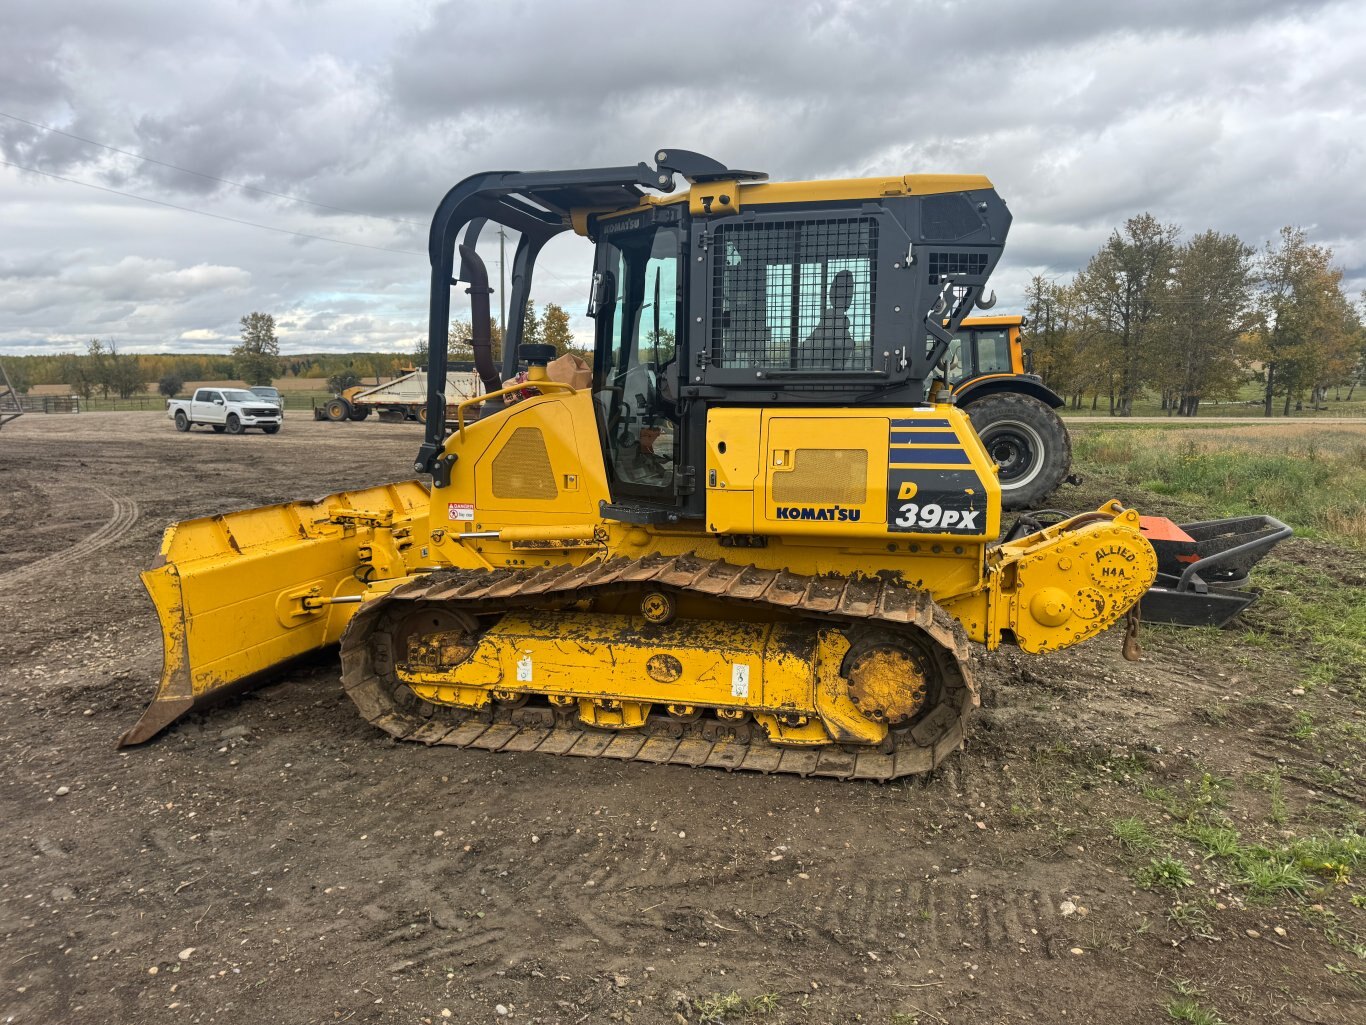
1240	116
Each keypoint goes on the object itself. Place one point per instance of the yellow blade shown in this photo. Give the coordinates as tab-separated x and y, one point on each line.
229	589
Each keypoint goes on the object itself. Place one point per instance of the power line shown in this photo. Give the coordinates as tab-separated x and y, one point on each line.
201	174
206	213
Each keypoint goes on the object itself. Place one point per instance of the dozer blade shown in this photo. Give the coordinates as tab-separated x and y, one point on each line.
230	591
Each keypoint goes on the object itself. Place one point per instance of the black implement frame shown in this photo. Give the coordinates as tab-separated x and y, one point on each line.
537	205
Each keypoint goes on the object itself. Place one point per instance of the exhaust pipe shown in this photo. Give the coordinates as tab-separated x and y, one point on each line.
473	271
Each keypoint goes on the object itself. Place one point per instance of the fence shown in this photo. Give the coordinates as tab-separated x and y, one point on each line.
50	403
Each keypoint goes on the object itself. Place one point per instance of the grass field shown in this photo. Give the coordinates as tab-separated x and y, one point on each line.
1312	477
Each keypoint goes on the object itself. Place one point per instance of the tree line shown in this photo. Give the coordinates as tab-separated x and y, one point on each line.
1194	319
101	369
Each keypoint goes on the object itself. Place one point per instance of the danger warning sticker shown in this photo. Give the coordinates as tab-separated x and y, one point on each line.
460	511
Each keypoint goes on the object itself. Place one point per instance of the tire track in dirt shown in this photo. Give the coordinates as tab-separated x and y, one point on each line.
120	522
945	916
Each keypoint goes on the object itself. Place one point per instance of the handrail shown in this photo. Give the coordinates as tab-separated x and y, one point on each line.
520	386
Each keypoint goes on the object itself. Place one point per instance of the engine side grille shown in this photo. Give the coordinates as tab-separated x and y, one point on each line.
824	476
522	469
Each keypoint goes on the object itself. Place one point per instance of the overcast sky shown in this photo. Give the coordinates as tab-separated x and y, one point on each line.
1237	115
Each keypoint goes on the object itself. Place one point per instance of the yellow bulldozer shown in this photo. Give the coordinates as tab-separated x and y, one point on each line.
755	534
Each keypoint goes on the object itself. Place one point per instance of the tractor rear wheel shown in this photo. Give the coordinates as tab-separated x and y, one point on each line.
337	410
1028	441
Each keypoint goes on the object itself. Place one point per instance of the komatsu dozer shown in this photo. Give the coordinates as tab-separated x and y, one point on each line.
750	536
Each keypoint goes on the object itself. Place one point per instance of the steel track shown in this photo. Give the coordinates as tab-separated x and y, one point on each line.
368	661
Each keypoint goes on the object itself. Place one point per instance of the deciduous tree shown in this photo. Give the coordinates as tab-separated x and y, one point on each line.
555	329
459	345
1208	306
1304	333
1123	285
342	380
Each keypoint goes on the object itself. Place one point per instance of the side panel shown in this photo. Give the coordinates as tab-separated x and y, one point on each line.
824	474
847	473
733	469
537	464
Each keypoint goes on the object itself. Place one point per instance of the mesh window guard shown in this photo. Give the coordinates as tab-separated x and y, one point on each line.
794	295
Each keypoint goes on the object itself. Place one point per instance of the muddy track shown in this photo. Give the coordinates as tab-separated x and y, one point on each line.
369	657
122	518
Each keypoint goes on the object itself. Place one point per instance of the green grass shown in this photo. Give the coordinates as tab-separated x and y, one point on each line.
1267	875
1188	1010
1216	841
1185	1006
1197	797
1313	478
1135	835
1246	401
723	1008
1166	872
294	400
1192	917
1307	607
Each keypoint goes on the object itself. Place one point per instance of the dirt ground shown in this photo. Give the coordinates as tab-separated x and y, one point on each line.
279	860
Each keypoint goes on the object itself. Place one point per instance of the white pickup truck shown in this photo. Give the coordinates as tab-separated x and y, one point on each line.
224	409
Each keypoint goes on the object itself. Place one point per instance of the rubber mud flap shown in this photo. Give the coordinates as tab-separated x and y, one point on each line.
228	592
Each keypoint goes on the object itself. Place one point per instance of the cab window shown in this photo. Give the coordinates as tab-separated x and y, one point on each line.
993	352
794	295
633	378
953	360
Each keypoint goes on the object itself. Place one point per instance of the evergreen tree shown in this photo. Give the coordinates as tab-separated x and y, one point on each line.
256	359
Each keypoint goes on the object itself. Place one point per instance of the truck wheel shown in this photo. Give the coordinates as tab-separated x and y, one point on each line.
338	410
272	429
218	428
234	424
1028	441
360	413
182	422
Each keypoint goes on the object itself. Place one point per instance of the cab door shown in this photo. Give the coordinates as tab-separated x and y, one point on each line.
209	407
638	301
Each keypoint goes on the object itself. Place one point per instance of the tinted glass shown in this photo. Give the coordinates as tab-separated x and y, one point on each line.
993	352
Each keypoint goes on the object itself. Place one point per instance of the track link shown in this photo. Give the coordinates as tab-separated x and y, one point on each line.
368	667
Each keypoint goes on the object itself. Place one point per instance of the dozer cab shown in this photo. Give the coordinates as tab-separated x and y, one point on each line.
749	539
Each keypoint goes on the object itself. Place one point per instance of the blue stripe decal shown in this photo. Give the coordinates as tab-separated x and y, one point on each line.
924	438
919	423
938	456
